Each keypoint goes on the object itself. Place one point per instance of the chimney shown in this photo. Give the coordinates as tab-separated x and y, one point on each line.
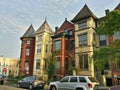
56	28
107	11
65	19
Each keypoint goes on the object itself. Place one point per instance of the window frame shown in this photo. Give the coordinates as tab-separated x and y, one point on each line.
82	25
83	39
37	64
28	42
39	48
57	45
83	61
27	51
102	40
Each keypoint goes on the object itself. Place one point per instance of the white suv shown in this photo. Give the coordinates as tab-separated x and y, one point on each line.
74	83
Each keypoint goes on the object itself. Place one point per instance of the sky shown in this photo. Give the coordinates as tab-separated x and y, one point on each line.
17	15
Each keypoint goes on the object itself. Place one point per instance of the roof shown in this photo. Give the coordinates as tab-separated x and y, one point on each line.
44	27
64	26
29	33
85	12
118	7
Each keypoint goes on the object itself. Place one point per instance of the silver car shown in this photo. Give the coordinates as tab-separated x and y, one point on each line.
74	83
30	82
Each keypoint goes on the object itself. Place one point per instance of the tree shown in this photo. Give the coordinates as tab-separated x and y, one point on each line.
51	67
110	24
103	56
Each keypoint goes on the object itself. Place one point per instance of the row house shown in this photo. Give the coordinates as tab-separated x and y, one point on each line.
86	41
73	44
35	48
113	69
85	24
27	51
9	66
63	47
42	49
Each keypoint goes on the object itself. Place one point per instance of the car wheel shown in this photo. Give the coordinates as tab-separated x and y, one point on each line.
53	88
79	89
2	83
18	85
30	87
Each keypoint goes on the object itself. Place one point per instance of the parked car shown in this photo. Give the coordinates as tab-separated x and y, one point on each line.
74	83
30	82
1	79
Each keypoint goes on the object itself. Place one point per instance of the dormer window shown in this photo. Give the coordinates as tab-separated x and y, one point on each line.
70	32
66	31
82	25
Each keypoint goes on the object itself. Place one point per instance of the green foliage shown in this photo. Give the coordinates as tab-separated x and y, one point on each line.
70	70
110	24
116	44
103	56
22	75
51	67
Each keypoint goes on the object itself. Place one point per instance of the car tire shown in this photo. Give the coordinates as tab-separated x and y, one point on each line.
18	85
30	87
2	83
53	88
79	89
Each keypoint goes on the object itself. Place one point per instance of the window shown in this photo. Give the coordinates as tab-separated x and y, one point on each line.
46	48
82	25
82	39
28	42
66	31
39	48
102	40
26	66
117	35
57	45
27	52
73	79
67	45
65	79
37	63
39	38
83	61
72	44
66	63
57	64
70	32
82	79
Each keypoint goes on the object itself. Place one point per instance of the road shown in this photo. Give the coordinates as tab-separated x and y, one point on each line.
115	87
6	87
12	87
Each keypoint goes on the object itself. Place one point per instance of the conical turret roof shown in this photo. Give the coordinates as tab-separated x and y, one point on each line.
85	12
29	33
44	27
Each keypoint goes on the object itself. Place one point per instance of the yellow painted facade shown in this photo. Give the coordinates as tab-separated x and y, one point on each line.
11	64
43	46
88	49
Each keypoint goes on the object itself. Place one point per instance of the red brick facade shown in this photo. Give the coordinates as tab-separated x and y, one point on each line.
27	58
66	50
